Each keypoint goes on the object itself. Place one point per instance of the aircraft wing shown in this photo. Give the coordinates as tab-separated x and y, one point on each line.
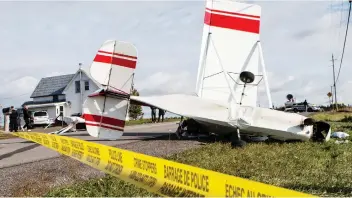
207	110
255	121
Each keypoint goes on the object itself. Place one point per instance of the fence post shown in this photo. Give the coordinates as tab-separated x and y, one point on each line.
7	123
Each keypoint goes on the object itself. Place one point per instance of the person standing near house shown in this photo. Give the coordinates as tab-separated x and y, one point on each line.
26	118
161	114
13	119
153	114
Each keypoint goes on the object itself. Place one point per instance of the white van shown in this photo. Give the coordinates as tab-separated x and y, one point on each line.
41	117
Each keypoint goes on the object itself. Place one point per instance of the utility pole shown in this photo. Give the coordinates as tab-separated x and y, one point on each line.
332	97
80	86
334	80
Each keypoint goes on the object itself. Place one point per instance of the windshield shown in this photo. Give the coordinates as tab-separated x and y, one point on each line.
40	114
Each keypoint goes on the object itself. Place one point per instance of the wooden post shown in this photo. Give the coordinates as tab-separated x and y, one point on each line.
7	123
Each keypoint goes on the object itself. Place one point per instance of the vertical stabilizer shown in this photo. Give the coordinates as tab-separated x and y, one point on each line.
230	36
106	109
114	65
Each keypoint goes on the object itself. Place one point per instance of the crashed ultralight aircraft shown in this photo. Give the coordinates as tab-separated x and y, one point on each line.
226	89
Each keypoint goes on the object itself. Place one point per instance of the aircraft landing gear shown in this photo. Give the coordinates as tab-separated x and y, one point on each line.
236	140
180	130
187	129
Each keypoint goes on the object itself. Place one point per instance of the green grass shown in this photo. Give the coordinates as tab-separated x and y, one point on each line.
322	169
148	121
332	116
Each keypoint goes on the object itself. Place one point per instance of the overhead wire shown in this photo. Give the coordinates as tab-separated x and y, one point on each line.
333	27
340	26
344	43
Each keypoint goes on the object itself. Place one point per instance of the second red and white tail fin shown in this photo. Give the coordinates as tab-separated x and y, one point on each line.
106	109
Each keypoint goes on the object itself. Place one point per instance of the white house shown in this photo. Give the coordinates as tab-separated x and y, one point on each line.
62	94
78	89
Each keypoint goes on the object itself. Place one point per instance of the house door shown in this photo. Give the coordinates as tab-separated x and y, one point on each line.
62	111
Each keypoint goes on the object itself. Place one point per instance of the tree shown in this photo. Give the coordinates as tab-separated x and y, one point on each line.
135	110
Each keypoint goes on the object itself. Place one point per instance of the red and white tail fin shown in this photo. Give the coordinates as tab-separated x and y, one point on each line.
231	31
106	109
114	65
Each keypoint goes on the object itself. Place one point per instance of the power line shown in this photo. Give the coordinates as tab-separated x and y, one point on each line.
344	43
341	13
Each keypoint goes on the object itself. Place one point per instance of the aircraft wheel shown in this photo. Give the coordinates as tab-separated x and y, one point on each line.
179	132
238	144
236	140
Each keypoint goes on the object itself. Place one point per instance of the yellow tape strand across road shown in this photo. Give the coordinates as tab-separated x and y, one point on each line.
163	177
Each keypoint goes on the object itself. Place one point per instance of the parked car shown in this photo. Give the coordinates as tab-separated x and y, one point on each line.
299	107
40	118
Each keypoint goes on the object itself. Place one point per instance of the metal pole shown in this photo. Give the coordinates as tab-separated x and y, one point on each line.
224	71
232	100
264	75
244	67
80	85
7	123
333	73
332	97
200	79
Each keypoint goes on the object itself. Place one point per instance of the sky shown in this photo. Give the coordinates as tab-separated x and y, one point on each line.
47	38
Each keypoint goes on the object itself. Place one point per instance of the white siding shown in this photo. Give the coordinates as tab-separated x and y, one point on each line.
67	110
74	98
61	97
41	99
51	110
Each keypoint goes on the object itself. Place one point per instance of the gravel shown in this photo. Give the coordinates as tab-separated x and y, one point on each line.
37	178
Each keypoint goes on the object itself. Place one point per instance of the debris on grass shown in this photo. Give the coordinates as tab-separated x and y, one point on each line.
341	135
341	141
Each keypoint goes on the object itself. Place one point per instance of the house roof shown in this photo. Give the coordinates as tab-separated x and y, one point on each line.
86	72
50	86
42	103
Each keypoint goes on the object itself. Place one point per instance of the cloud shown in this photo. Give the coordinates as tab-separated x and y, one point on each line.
50	74
17	90
166	83
304	34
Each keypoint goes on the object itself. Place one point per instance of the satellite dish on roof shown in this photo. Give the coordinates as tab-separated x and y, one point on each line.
289	97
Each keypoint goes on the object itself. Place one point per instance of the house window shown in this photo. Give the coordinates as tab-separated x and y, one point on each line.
77	86
86	85
55	98
61	110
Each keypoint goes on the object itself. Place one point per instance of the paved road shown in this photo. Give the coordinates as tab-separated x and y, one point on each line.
306	113
18	151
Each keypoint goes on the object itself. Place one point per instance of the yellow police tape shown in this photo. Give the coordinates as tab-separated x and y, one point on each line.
163	177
